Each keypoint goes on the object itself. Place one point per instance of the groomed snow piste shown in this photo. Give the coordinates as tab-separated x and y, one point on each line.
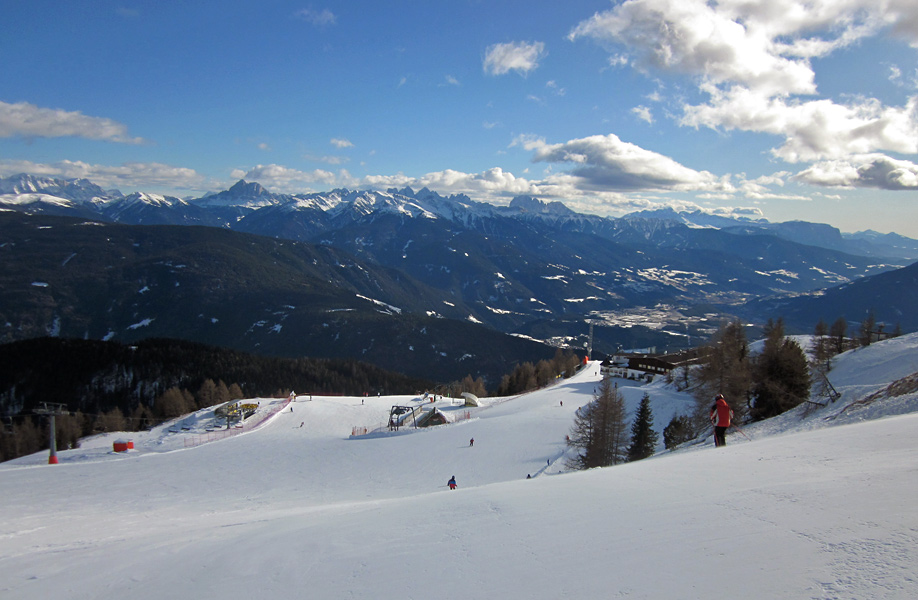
812	504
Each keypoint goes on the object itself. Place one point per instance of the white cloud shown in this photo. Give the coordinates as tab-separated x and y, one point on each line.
758	44
866	171
450	80
29	121
341	143
814	130
284	179
754	61
607	163
522	57
320	18
643	113
693	37
127	177
552	85
327	159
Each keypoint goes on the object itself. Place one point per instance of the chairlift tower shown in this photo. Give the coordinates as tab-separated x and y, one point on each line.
590	343
51	410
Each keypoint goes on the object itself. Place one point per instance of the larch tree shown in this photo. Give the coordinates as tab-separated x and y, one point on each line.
839	334
599	431
725	369
868	327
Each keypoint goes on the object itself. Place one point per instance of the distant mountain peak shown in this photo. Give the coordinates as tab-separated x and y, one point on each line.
243	188
78	190
534	205
242	194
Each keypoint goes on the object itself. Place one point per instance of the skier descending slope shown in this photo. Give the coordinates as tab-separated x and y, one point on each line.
452	482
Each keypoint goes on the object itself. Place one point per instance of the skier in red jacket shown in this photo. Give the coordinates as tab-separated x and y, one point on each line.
721	415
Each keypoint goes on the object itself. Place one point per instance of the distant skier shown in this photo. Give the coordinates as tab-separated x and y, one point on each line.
721	415
471	442
452	483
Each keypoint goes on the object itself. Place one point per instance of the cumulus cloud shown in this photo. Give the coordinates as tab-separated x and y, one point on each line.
521	57
763	45
285	179
753	61
341	143
814	130
606	162
866	171
693	37
30	121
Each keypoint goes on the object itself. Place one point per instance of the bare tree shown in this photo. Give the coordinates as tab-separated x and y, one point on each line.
725	369
600	430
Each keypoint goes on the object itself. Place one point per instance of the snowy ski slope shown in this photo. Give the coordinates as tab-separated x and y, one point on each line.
813	505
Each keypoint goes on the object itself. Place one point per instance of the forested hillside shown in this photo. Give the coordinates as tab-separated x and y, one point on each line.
112	386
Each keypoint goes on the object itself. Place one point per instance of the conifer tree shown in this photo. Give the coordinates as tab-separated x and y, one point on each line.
725	369
207	394
868	326
221	393
678	431
599	429
112	420
235	392
781	374
643	437
822	347
68	430
839	334
172	403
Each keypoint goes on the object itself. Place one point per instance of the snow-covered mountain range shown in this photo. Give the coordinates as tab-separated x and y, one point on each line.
531	268
57	196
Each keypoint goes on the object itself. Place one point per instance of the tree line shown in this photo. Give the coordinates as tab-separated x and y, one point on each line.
775	380
108	386
528	376
756	386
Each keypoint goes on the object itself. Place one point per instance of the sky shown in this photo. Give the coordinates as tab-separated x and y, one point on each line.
786	109
815	503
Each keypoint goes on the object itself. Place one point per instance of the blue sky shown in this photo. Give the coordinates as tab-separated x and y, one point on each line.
782	109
